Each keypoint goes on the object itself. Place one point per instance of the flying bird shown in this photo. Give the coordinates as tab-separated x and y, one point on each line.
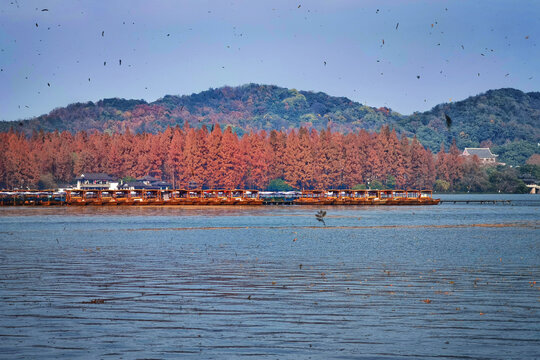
120	62
448	121
103	33
324	63
320	216
48	84
397	25
37	25
44	9
418	76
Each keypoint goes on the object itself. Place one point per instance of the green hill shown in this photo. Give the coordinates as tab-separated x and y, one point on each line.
506	120
248	107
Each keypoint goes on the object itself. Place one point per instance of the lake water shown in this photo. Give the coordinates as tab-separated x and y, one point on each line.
453	281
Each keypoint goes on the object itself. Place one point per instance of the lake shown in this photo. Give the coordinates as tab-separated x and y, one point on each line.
452	281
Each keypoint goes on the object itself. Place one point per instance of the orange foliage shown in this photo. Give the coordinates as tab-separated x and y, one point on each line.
219	158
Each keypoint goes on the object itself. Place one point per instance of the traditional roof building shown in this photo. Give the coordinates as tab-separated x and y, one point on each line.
96	181
154	183
484	154
132	185
147	179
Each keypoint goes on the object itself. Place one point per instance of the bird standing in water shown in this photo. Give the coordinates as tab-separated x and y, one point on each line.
320	216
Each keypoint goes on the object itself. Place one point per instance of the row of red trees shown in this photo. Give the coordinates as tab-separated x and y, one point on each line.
215	158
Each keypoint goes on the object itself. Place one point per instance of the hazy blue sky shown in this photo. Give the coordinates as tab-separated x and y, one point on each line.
458	48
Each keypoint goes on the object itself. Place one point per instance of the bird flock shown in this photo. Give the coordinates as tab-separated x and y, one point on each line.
326	62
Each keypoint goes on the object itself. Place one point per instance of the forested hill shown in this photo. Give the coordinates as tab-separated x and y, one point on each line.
505	119
244	108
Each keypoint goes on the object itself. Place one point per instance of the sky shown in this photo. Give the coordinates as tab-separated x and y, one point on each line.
405	55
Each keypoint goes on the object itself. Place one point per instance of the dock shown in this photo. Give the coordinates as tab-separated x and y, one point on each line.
477	201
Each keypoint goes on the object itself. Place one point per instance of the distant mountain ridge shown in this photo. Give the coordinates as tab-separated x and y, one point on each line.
507	119
248	107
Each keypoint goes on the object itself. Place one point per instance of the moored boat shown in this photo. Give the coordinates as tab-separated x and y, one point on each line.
77	197
313	197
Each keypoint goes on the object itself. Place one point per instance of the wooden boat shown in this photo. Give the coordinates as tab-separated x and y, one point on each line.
7	198
360	197
213	197
313	197
107	197
226	197
171	197
426	198
179	197
123	197
386	197
245	197
236	197
195	197
92	197
252	197
339	197
152	197
76	197
397	197
373	196
411	197
53	198
137	197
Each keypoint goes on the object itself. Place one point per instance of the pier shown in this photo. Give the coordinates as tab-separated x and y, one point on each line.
478	201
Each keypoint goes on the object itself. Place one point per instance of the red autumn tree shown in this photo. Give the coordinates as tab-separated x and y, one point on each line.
232	169
21	167
175	156
258	157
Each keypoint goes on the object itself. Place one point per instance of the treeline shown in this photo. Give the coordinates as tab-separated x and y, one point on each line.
216	158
